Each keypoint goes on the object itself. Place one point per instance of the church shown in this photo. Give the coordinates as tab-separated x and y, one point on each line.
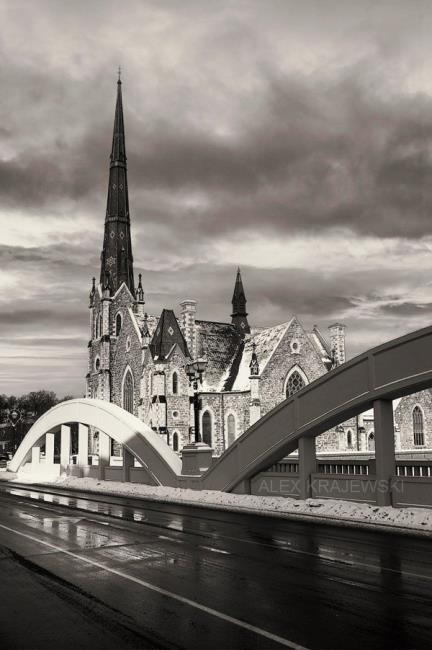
138	359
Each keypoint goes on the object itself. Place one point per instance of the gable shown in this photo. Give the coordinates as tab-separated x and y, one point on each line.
166	336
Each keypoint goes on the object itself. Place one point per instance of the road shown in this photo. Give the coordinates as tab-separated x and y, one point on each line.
150	575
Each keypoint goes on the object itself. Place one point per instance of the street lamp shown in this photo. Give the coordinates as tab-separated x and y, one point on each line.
195	370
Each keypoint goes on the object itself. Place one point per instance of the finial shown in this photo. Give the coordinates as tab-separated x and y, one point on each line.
139	289
92	292
254	365
119	75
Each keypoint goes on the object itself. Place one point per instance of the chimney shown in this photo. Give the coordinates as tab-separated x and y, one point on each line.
337	342
188	311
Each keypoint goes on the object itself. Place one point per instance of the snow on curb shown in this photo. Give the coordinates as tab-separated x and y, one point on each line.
411	520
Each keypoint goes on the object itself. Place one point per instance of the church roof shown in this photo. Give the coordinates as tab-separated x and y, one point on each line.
166	336
266	341
219	344
229	355
321	345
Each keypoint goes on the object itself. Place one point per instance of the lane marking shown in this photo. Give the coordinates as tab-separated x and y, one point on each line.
214	550
164	592
281	545
171	539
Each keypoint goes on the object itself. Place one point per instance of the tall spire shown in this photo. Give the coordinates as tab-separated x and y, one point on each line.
116	257
239	314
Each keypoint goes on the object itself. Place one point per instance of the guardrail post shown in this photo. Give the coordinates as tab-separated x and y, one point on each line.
49	449
104	453
128	462
65	448
384	450
83	435
306	466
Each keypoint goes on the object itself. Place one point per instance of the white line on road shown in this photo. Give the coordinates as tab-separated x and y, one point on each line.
165	592
214	550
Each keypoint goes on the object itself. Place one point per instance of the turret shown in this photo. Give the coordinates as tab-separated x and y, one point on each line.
140	303
239	313
254	380
337	343
188	311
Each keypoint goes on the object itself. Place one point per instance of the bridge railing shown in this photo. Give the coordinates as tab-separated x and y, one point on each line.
356	467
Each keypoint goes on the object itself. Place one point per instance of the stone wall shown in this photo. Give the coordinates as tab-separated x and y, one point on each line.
404	418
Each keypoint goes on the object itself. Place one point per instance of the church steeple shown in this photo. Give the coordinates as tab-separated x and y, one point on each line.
239	314
116	257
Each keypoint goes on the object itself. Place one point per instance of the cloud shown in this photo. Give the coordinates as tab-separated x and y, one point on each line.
294	139
407	309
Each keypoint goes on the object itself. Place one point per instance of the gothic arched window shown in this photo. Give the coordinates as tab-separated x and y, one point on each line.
295	382
128	396
207	428
118	324
100	325
349	438
175	383
418	427
175	441
231	426
371	441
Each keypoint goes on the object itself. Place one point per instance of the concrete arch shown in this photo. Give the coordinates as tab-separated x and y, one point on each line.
395	369
148	448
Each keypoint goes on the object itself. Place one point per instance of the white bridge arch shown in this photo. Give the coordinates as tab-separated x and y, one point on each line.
136	437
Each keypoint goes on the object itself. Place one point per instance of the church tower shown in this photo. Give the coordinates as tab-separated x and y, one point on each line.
239	314
116	257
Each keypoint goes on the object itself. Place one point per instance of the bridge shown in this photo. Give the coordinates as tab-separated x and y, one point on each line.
371	380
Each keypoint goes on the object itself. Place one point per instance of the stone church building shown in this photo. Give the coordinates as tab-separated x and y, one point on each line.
137	359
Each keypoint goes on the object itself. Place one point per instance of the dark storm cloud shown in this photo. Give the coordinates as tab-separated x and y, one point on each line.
70	256
317	155
309	153
407	309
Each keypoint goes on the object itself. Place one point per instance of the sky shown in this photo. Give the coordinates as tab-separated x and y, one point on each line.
293	139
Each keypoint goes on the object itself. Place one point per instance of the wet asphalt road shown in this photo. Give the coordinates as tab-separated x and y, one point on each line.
186	577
